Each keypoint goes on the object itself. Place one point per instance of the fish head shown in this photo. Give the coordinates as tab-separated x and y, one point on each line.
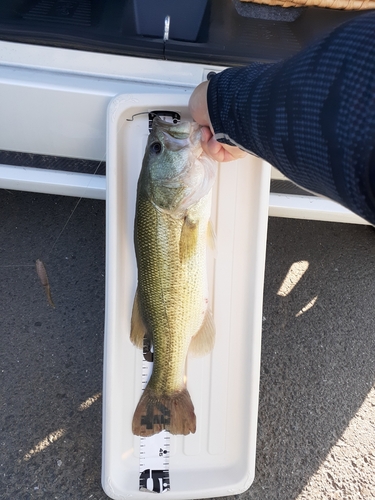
175	171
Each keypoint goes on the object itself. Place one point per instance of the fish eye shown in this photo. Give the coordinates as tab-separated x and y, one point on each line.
156	147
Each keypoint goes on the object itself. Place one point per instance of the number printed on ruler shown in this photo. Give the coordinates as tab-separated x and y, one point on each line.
154	450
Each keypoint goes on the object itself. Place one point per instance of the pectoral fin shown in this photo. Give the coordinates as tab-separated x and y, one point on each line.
188	238
203	341
137	328
211	237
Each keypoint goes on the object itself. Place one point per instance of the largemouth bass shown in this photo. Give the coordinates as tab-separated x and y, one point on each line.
171	303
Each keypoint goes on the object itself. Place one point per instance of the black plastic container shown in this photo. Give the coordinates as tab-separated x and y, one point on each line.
185	18
222	32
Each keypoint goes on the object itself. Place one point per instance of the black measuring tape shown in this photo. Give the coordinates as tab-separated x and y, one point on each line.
154	450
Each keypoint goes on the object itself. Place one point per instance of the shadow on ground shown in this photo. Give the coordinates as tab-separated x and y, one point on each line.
318	367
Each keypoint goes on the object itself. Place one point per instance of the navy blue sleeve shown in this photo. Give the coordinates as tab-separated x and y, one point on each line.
312	116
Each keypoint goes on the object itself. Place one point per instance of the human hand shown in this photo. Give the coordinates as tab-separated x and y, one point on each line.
199	111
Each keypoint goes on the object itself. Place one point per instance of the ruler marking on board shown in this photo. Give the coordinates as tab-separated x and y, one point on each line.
154	450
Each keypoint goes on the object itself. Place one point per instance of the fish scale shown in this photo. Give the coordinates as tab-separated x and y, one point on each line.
169	306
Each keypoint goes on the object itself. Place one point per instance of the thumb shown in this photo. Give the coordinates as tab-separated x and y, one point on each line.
198	105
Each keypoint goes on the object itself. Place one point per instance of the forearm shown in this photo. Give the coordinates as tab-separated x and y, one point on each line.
312	117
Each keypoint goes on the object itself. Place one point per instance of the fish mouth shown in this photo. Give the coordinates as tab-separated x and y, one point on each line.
180	130
184	133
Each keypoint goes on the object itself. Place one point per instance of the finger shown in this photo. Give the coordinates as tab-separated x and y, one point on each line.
233	153
221	152
216	150
212	148
206	134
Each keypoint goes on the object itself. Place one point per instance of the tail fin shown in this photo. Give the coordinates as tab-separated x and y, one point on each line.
174	413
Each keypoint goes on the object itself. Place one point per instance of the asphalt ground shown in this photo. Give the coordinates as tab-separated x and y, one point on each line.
316	432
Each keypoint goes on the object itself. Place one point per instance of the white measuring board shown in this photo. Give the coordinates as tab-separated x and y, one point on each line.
219	459
154	463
